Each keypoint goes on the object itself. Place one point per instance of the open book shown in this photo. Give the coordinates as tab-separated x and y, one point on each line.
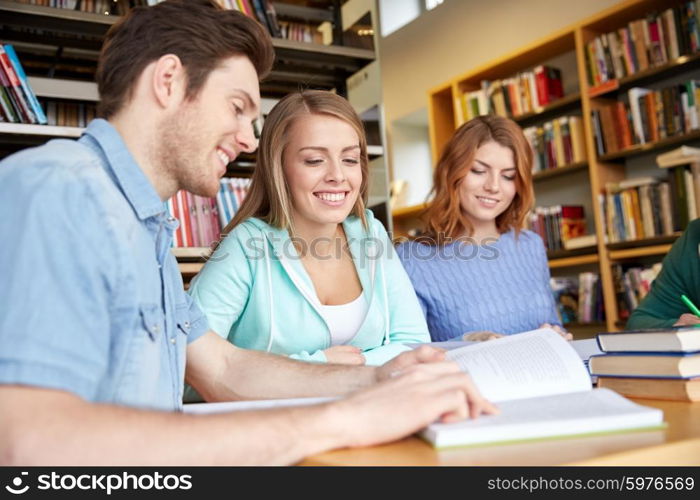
542	389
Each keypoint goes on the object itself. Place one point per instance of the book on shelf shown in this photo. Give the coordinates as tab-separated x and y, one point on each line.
668	389
632	285
15	91
647	207
202	219
543	390
646	364
557	224
672	339
556	143
683	155
654	40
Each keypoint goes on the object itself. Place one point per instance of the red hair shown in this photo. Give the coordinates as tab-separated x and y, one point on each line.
444	217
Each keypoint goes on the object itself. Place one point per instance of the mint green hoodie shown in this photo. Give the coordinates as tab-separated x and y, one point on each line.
255	291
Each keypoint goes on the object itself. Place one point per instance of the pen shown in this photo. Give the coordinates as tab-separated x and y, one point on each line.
693	308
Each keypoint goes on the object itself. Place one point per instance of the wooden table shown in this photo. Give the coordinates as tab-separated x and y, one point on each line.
678	444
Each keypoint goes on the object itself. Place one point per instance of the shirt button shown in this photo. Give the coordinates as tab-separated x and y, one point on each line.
171	219
156	328
187	324
173	340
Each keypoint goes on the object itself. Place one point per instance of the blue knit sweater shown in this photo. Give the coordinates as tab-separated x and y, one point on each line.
501	286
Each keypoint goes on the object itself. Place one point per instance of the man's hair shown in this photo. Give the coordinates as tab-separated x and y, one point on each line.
444	217
199	32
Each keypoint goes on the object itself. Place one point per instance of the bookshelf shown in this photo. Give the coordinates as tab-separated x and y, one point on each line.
567	49
59	49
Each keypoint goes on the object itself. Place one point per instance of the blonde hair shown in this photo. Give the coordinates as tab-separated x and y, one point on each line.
444	217
269	197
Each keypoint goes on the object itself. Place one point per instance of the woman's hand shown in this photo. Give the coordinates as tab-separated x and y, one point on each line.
481	336
687	319
566	335
344	355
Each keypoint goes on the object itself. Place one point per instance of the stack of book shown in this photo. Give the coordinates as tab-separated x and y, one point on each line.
527	92
68	113
202	219
632	285
647	116
264	12
557	143
18	104
644	43
657	364
557	224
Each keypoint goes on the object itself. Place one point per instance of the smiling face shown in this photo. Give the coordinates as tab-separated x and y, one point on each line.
489	186
322	168
209	131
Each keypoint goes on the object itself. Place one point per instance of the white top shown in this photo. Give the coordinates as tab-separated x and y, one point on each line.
344	320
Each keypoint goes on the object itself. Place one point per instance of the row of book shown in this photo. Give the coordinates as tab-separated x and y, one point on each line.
643	43
660	364
68	113
264	12
527	92
106	7
648	207
632	285
202	219
557	143
18	104
578	299
557	224
648	116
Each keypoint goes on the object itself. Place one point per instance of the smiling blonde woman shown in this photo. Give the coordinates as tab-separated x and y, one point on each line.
305	270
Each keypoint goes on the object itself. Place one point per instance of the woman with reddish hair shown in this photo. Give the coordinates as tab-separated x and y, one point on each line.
477	272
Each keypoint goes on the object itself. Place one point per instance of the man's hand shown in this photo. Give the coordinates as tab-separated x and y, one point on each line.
413	398
404	361
566	335
481	336
687	319
344	355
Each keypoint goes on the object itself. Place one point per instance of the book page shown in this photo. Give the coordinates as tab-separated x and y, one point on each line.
266	404
526	365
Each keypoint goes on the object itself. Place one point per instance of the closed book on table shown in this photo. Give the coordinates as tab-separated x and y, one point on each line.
673	339
646	364
669	389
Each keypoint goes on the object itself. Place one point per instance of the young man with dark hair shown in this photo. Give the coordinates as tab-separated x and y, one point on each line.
95	323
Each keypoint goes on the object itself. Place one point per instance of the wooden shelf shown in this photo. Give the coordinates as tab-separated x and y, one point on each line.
556	172
632	253
579	260
407	212
558	107
190	268
40	130
640	149
650	75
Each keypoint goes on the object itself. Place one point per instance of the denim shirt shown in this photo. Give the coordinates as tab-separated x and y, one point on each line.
91	298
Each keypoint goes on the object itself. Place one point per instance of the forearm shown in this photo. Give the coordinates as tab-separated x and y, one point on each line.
246	374
75	432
